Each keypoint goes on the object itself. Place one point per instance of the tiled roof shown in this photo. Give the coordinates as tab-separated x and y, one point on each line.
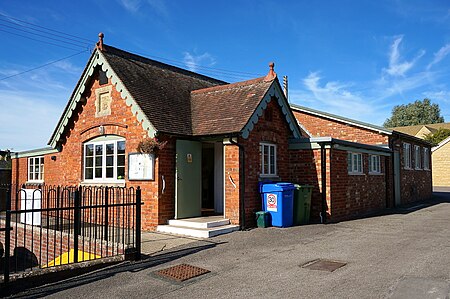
342	119
413	130
227	108
161	91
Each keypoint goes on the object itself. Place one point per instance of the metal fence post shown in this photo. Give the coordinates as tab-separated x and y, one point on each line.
138	223
7	235
106	214
77	222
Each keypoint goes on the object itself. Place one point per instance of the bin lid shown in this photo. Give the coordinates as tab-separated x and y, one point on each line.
277	187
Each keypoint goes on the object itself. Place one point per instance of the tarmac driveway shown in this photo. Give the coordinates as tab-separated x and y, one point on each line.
405	254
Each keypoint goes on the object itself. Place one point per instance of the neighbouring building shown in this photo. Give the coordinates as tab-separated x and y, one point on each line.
213	142
420	131
408	167
439	154
440	157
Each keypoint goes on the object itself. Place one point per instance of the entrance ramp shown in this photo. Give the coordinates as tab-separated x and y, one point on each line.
199	227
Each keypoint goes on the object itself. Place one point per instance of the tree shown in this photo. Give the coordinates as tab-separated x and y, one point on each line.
417	113
438	136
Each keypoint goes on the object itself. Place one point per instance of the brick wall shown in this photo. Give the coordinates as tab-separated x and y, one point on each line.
441	166
353	195
271	128
67	169
320	126
306	170
416	184
232	174
41	245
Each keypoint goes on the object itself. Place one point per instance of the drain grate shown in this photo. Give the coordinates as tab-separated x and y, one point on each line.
182	272
324	265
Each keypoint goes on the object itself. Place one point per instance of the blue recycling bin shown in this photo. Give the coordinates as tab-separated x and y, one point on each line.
278	200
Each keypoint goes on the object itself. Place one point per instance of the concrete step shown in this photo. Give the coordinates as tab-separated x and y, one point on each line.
200	222
197	232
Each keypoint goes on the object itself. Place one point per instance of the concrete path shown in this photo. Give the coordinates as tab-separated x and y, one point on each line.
405	254
154	242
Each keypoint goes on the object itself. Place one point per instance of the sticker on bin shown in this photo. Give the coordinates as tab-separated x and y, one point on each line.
271	202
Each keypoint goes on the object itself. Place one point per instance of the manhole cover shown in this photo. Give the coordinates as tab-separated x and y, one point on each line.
182	272
324	265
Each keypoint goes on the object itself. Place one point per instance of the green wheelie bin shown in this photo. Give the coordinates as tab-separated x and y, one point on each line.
302	204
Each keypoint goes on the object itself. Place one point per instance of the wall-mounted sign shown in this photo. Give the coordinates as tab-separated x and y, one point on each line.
141	166
189	158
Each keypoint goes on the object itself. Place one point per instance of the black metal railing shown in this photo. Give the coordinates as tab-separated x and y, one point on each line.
56	225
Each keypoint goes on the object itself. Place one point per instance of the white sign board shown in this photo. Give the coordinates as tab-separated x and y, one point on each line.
141	166
272	202
30	199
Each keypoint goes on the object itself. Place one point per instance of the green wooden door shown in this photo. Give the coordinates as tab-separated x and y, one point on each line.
188	183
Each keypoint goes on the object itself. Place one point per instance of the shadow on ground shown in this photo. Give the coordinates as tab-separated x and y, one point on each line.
20	290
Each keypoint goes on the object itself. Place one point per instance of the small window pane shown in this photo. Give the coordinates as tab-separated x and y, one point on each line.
121	147
110	149
89	150
98	172
98	161
98	150
109	172
121	160
89	174
89	162
120	172
110	161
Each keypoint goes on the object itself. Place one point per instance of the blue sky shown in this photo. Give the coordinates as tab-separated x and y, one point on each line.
353	58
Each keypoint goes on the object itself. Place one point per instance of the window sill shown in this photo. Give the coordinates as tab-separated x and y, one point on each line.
34	183
376	173
103	184
269	177
355	173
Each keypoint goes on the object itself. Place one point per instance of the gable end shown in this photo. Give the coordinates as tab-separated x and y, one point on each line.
98	59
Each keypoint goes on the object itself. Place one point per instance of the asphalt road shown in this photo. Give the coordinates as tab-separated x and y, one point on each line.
404	254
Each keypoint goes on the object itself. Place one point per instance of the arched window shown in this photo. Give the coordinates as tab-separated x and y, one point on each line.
104	159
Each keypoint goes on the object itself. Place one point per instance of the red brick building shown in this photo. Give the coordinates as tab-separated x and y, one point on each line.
407	168
214	143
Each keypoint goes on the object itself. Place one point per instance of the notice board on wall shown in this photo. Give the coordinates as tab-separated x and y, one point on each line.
141	167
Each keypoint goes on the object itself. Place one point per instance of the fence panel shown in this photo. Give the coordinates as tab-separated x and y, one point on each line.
57	225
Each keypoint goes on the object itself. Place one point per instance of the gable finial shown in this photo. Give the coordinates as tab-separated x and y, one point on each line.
271	75
100	41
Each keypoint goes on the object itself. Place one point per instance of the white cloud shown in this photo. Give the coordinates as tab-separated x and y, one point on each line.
441	96
337	98
439	55
131	5
67	66
396	66
193	62
159	7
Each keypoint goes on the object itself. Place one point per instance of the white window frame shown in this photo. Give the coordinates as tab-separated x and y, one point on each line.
426	158
355	166
407	163
270	164
417	158
103	179
374	164
32	169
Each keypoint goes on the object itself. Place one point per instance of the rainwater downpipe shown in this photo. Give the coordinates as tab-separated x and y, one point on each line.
323	166
241	179
392	147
